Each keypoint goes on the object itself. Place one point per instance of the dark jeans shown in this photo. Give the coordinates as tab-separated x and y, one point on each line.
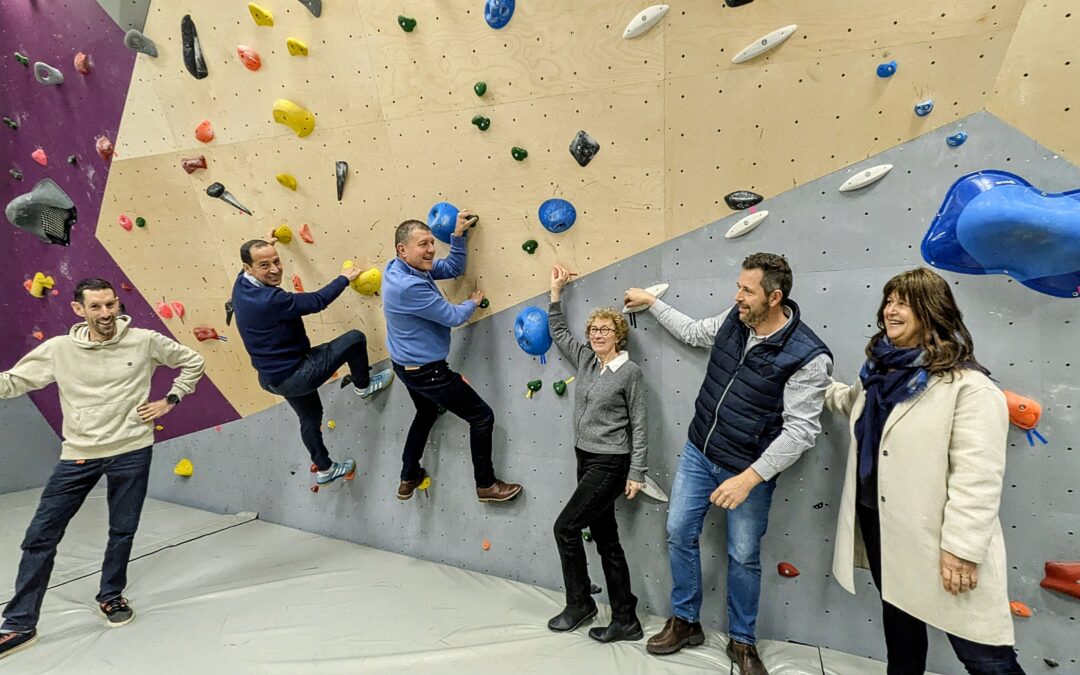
601	479
905	636
71	480
301	389
434	385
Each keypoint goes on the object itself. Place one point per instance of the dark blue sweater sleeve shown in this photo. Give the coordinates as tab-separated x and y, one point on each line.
294	305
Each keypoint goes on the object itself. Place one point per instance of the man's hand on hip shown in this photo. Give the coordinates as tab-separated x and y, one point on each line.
154	409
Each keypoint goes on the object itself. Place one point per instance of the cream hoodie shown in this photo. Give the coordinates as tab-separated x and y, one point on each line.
102	384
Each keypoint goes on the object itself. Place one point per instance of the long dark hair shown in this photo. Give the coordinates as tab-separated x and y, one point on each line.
945	339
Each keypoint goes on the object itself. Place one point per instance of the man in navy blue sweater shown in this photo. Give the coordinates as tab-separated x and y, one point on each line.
271	325
418	323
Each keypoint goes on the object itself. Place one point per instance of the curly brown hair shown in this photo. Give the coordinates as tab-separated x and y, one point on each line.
622	329
947	343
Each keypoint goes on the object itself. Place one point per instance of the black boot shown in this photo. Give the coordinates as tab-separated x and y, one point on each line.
572	617
618	630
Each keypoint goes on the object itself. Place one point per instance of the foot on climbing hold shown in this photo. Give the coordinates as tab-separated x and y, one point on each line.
529	246
887	69
104	148
134	39
249	57
204	132
218	191
40	157
480	88
46	74
82	64
193	163
341	173
742	199
11	124
314	6
300	120
407	23
923	109
956	140
497	13
482	123
287	180
262	16
557	215
296	47
519	153
46	212
193	53
584	148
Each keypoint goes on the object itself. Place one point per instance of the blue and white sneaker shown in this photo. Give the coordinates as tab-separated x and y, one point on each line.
380	380
336	470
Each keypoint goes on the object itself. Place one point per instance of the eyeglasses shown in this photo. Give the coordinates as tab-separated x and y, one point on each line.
602	331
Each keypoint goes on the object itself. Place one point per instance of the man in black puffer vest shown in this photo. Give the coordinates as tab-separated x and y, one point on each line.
755	415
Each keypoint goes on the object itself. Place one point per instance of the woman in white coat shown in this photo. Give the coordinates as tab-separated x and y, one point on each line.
923	482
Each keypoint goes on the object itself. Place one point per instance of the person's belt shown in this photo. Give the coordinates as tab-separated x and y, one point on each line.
411	369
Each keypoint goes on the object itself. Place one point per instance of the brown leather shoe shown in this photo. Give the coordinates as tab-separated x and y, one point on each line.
677	634
745	658
408	487
498	492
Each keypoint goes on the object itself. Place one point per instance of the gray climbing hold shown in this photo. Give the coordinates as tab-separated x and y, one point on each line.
193	53
341	172
134	39
46	211
218	191
314	6
584	148
46	74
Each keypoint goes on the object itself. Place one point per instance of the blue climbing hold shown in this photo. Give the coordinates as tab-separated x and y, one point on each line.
498	13
531	331
557	215
887	69
957	139
995	222
442	218
923	109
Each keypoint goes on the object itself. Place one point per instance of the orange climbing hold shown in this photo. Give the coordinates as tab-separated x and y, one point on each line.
787	570
82	63
305	234
486	545
1020	609
297	285
1063	577
38	335
104	148
1023	412
204	131
249	57
40	157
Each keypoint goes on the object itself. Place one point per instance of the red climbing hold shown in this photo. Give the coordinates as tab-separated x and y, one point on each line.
1063	577
204	131
164	311
38	335
314	488
125	286
1020	609
297	285
203	333
40	157
82	63
125	223
193	163
787	570
104	148
313	468
305	234
178	308
249	57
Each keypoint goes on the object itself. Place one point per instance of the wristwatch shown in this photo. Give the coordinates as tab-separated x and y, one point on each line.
172	399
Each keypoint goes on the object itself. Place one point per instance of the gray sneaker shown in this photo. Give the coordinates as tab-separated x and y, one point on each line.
380	380
336	470
117	612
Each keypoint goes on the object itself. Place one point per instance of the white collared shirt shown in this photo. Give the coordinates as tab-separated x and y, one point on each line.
614	364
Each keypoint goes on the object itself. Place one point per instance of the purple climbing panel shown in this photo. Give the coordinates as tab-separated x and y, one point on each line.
66	120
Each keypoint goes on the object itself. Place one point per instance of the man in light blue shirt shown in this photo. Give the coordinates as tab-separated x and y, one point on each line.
418	323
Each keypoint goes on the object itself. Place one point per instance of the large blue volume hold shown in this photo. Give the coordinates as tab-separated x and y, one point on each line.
557	215
498	13
531	331
442	219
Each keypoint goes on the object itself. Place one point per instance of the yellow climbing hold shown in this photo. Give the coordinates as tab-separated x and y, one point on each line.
367	283
301	120
287	180
184	468
331	424
39	284
296	47
262	16
424	484
283	234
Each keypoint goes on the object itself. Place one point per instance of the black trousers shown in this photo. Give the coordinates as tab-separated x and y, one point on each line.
601	479
905	636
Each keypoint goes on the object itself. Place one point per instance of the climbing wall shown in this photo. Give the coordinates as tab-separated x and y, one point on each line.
30	446
678	124
65	121
843	247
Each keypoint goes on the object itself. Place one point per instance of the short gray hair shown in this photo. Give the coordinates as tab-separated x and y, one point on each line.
405	230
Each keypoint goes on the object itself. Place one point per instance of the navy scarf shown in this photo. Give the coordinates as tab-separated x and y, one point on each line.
890	376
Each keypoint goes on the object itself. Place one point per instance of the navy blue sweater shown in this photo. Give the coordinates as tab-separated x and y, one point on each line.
270	323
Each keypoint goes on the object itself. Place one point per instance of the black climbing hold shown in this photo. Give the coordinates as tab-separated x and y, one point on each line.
519	153
140	222
12	124
480	88
15	173
407	23
341	172
584	148
193	53
530	246
819	505
228	312
595	590
439	410
218	191
485	303
737	3
215	190
73	160
482	123
314	6
22	58
742	199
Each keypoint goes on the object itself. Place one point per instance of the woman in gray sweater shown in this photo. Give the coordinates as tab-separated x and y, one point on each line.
610	441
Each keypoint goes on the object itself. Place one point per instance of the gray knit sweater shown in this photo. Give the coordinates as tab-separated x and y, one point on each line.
609	406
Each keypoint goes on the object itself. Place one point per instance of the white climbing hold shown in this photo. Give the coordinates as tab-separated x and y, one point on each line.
646	19
746	224
866	177
657	290
765	43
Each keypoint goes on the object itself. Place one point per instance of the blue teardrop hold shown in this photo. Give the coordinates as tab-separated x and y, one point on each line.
887	69
557	215
441	219
957	139
498	13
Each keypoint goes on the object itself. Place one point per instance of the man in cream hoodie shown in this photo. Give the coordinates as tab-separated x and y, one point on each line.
102	369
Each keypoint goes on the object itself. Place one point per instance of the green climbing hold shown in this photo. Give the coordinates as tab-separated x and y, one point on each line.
407	23
586	535
529	246
535	385
73	160
439	410
480	88
560	387
519	153
140	222
12	124
485	303
15	173
22	59
481	122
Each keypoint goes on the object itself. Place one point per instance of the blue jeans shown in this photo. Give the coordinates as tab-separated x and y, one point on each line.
301	389
695	479
128	475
